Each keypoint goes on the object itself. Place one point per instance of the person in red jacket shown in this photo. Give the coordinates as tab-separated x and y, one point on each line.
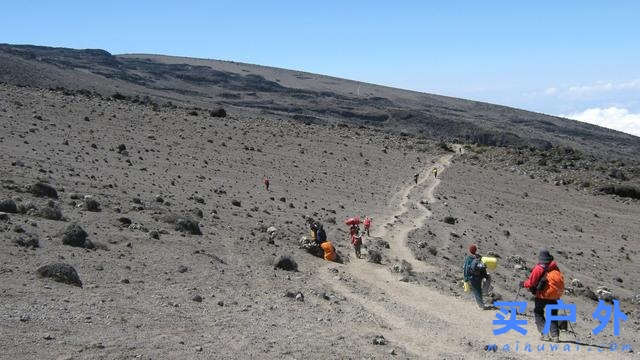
546	295
266	183
367	225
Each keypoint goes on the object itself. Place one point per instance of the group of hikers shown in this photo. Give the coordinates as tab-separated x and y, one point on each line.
545	282
318	237
416	176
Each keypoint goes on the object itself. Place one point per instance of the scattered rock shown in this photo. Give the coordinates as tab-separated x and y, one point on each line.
383	243
576	283
90	204
197	298
51	212
379	340
450	220
124	221
271	230
43	190
236	203
182	269
4	216
8	206
48	337
220	112
198	348
74	235
604	293
188	225
63	273
154	234
28	240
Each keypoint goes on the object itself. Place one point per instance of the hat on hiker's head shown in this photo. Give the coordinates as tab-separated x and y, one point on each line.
472	249
544	256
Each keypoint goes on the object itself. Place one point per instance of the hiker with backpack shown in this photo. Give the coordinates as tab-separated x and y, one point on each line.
546	283
266	183
435	172
329	251
415	177
367	225
474	272
321	235
356	238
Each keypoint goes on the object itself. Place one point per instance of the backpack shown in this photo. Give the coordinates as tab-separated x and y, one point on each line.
551	285
321	235
476	269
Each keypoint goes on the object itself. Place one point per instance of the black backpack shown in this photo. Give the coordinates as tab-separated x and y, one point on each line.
477	269
321	235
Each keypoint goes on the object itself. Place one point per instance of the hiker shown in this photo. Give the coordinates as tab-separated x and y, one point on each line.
313	231
329	251
356	239
435	172
546	282
474	271
415	177
321	235
367	225
266	183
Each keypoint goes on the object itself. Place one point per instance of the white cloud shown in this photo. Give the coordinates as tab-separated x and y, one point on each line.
595	89
613	118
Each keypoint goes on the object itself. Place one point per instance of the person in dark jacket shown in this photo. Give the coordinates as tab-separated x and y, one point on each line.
547	295
475	272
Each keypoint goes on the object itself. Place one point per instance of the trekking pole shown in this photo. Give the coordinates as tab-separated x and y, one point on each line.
570	326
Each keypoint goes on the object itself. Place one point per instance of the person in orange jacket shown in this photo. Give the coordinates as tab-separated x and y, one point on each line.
546	282
329	251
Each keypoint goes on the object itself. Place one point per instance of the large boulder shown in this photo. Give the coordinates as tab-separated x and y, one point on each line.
63	273
8	206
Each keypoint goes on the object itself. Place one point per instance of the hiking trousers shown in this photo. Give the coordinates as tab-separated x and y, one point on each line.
539	312
476	289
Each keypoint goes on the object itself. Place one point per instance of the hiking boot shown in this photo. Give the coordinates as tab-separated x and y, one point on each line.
555	339
545	338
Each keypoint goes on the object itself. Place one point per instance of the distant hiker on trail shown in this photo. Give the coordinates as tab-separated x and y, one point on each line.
546	282
474	271
415	177
329	251
367	224
356	239
266	183
313	231
354	233
435	172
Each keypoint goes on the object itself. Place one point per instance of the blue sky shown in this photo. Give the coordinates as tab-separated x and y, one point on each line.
574	58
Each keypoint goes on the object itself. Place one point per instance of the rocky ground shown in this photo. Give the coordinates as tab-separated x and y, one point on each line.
163	219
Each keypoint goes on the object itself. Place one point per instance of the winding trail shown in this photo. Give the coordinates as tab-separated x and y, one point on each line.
426	322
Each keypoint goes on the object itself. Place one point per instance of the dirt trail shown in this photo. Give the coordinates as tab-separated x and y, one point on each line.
427	323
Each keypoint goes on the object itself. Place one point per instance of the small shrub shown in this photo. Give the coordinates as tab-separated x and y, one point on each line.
374	257
50	212
628	191
285	262
450	220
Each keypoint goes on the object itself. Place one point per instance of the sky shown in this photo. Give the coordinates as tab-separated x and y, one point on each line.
578	59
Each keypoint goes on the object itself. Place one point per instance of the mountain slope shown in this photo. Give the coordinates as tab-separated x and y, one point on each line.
302	96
